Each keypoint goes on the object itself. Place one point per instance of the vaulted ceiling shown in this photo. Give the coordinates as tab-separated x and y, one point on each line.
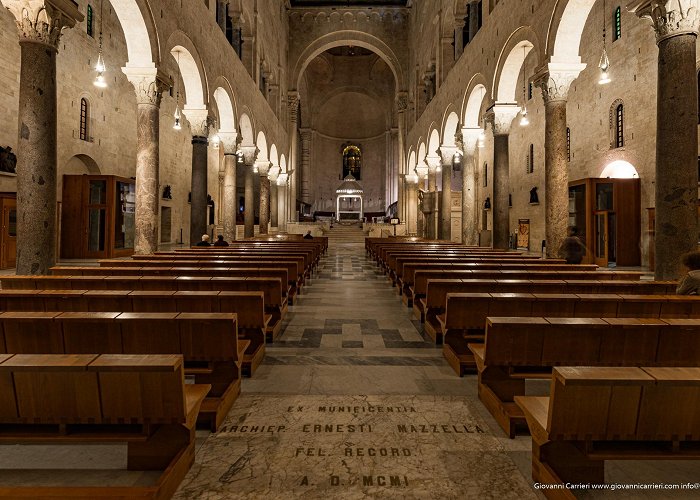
348	3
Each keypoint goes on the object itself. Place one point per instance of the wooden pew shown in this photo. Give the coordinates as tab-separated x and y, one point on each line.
76	399
434	303
253	325
259	268
275	301
521	348
598	414
212	353
464	320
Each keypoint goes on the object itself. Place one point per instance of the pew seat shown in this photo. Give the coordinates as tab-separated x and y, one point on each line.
141	401
594	414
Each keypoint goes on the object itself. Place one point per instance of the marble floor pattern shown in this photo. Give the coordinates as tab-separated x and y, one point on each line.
353	401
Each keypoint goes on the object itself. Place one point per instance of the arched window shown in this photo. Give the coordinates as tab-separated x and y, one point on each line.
352	162
84	118
89	21
568	144
617	24
486	174
530	164
620	125
617	124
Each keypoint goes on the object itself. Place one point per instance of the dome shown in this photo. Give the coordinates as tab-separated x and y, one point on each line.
350	186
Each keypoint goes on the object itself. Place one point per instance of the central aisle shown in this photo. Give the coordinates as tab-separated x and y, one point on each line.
351	402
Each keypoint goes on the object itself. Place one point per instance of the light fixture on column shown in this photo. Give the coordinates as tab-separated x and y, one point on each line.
178	118
100	66
524	120
604	63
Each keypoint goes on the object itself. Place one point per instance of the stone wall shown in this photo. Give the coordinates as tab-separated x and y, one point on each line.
111	148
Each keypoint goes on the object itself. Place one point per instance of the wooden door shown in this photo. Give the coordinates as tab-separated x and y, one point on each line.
8	237
600	222
96	223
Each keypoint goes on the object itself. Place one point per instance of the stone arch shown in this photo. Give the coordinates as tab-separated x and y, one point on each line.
474	101
261	143
510	62
420	159
225	104
247	134
348	37
191	69
82	164
433	141
357	89
274	157
283	163
450	126
565	29
138	24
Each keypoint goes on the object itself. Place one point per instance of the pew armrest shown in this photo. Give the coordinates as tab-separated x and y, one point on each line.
194	396
536	409
479	352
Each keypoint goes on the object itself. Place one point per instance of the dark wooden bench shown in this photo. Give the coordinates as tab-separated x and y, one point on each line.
517	349
253	325
142	401
434	303
212	352
464	320
598	414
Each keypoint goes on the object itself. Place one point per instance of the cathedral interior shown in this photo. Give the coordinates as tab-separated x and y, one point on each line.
393	306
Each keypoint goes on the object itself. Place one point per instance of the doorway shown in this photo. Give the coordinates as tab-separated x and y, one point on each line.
8	237
605	239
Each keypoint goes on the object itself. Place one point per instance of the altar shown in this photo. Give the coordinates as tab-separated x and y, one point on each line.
349	200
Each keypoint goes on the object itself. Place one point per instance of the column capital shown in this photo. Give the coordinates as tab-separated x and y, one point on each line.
447	154
500	116
555	79
669	17
42	21
282	179
274	173
402	101
293	104
263	167
470	140
250	153
433	161
199	120
149	84
305	134
422	170
229	141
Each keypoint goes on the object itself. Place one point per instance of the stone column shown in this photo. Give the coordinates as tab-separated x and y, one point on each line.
433	210
273	175
459	37
282	193
221	15
40	24
470	231
447	154
305	136
676	26
500	117
199	126
411	204
473	19
263	169
293	107
402	107
423	206
229	207
555	80
250	153
149	87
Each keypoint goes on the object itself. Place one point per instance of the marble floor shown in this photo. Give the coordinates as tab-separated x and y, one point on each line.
351	402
